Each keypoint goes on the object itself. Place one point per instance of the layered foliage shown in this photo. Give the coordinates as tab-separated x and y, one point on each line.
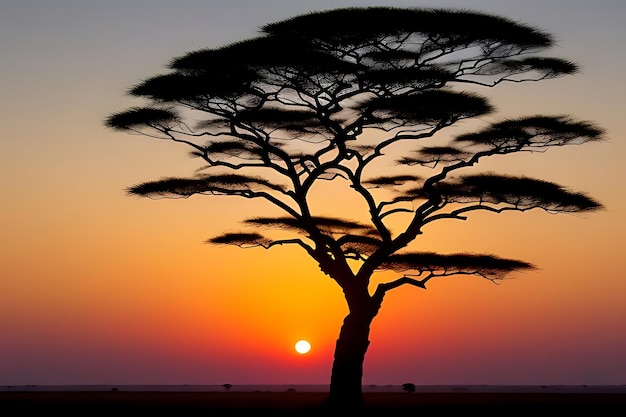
327	96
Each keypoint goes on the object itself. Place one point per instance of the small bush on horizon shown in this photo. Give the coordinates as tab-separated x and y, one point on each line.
408	387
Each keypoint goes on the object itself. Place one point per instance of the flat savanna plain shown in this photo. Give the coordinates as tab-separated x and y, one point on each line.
181	404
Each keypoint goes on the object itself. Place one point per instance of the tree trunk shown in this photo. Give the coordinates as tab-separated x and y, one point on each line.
347	372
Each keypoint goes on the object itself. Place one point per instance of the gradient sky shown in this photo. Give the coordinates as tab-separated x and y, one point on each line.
100	288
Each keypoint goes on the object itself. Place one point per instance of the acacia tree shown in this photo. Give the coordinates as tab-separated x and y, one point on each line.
326	97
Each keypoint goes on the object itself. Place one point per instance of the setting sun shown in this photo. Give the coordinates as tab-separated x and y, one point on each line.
302	347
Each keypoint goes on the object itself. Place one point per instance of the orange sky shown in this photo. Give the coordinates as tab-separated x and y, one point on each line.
100	288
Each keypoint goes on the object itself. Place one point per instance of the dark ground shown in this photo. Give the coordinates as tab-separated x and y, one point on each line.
182	404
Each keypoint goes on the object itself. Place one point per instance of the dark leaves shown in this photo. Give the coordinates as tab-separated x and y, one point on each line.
416	77
349	26
434	155
534	132
520	192
428	106
259	53
178	86
239	239
462	262
359	245
185	187
140	116
328	79
391	180
325	224
548	67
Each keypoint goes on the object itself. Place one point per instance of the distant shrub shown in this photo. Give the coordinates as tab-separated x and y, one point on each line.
408	387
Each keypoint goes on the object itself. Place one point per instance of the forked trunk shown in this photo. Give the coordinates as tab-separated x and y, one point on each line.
347	372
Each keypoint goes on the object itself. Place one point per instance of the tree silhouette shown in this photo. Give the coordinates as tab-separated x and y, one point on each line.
326	97
409	387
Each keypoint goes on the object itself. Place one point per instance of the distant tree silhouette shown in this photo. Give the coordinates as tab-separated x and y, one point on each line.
328	97
409	387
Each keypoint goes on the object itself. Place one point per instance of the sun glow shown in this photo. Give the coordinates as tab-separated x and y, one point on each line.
302	346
